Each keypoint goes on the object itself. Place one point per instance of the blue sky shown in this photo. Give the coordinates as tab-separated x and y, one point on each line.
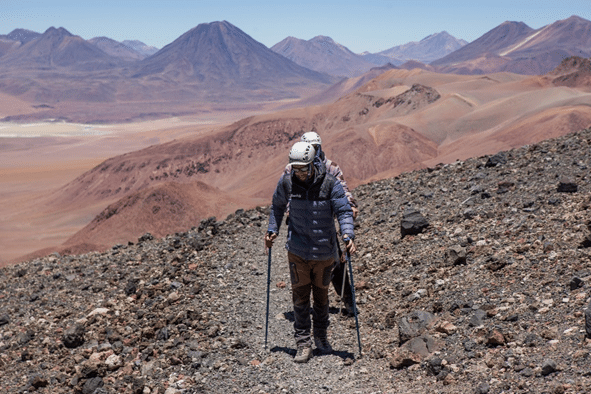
366	25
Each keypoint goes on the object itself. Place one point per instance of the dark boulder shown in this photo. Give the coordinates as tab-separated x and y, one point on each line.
73	337
496	160
567	186
412	223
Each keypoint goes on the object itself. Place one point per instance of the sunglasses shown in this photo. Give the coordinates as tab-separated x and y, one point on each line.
301	170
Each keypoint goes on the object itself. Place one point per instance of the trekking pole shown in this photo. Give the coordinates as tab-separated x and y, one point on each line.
353	296
344	272
343	287
268	291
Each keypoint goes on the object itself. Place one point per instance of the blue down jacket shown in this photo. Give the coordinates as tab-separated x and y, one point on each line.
311	233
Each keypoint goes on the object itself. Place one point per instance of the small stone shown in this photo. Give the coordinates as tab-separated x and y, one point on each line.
98	311
174	296
92	384
446	328
455	255
38	381
567	185
548	367
73	337
483	388
495	338
404	358
527	372
575	283
113	362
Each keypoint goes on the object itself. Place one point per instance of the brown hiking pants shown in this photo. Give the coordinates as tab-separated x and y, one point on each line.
310	276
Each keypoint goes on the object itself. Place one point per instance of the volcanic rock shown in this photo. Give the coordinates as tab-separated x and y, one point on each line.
412	223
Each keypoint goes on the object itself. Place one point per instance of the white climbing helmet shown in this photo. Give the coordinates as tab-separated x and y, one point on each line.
301	153
312	137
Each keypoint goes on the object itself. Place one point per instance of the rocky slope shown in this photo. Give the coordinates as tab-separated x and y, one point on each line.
483	289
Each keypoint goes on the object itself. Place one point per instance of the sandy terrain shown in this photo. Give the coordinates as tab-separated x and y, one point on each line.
36	159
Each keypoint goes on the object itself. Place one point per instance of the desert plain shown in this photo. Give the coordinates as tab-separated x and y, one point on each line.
38	158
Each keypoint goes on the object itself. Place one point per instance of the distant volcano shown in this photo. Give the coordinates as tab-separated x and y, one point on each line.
219	53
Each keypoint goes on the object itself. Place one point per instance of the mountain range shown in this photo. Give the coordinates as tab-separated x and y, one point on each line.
214	64
218	65
516	47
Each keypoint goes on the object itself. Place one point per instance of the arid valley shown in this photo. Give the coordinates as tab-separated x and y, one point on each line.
39	158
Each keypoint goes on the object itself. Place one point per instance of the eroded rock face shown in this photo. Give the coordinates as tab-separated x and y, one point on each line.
501	290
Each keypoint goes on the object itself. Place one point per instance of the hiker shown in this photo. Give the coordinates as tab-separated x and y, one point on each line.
315	197
340	270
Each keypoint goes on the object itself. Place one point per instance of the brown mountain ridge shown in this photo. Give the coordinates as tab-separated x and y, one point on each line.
515	47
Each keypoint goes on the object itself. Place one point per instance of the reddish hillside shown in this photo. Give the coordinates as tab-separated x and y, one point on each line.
574	72
232	157
346	86
389	125
164	209
412	64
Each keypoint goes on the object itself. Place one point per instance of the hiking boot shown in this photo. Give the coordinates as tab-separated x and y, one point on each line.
348	309
322	344
303	355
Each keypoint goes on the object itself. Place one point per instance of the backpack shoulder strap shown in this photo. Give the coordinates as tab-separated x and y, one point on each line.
287	185
326	187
